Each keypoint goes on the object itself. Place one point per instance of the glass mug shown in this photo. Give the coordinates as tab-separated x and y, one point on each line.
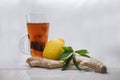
38	28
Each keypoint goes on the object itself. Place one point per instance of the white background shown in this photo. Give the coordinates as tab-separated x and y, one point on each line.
84	24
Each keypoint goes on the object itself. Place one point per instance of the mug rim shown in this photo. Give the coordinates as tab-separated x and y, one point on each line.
40	17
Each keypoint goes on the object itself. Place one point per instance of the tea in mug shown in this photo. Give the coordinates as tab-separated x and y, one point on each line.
38	36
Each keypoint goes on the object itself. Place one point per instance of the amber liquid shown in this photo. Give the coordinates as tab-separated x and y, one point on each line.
38	36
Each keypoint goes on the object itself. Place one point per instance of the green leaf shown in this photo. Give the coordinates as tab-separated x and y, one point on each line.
75	62
83	52
67	52
66	62
63	55
68	49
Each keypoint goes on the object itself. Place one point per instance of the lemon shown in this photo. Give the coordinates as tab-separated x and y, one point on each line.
53	48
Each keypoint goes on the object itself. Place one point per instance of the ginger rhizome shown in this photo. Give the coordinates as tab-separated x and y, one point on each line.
83	61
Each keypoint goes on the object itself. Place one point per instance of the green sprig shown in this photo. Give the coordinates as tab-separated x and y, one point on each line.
68	54
83	52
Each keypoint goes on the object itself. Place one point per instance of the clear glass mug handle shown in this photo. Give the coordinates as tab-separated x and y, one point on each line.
22	45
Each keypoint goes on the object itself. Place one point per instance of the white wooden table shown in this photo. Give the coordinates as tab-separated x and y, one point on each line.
55	74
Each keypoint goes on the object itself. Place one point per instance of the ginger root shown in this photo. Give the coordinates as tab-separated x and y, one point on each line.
91	63
43	62
83	61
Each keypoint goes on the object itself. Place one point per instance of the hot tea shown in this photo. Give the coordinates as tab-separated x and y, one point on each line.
38	36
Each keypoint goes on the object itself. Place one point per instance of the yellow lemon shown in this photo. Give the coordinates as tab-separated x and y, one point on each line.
53	48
